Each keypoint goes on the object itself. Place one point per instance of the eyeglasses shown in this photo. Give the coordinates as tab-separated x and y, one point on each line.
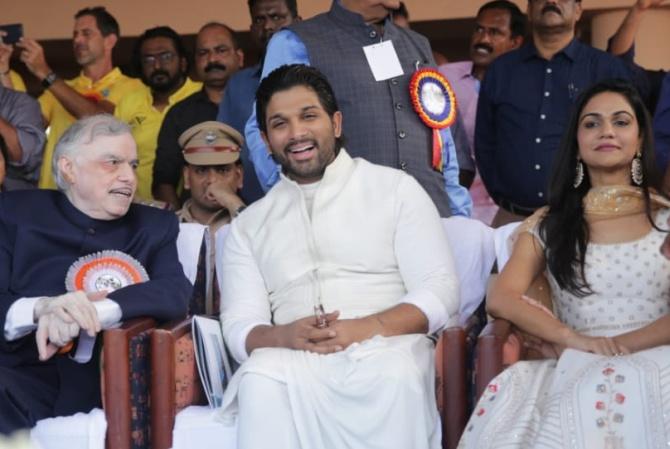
164	58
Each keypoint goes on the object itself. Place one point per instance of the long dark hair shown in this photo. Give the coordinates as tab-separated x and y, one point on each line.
564	229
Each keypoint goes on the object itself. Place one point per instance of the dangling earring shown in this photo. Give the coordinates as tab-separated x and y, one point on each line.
636	169
579	175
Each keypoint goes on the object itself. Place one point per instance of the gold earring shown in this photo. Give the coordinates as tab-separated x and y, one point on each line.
636	169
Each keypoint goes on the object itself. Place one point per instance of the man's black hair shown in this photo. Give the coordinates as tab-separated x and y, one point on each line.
161	31
106	22
287	77
517	19
291	5
233	36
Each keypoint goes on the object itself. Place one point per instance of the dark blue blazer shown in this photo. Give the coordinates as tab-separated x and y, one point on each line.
41	235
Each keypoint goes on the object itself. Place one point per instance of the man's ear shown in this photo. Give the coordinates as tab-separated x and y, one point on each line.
337	123
240	56
580	10
517	41
66	169
239	171
110	41
183	64
187	180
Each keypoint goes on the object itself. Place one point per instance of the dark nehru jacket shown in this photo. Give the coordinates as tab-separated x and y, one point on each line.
41	235
379	123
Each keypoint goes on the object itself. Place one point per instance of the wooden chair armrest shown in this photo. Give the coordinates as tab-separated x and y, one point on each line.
172	351
454	385
489	353
116	378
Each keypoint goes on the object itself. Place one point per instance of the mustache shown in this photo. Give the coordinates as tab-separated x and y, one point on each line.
553	8
158	73
214	66
485	47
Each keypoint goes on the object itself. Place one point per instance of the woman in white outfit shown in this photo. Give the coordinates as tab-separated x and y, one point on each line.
606	382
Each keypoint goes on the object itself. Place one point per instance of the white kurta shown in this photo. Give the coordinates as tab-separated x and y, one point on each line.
374	240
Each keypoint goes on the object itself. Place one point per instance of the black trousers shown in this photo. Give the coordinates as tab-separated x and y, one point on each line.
26	396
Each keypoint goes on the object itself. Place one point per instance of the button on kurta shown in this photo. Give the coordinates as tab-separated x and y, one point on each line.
373	34
402	134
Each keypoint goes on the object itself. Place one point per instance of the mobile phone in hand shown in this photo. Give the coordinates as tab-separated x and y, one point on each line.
14	33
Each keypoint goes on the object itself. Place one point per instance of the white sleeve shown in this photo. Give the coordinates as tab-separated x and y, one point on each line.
424	256
109	313
20	318
244	297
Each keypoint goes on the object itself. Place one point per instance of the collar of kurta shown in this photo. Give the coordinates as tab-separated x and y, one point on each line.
336	174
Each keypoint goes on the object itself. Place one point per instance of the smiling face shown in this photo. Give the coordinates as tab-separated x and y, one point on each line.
301	134
608	135
492	37
554	15
101	176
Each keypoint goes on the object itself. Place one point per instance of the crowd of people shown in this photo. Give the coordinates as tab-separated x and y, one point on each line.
334	161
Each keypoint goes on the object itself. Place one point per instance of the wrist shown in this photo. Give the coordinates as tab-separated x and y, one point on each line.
39	309
48	79
566	336
376	326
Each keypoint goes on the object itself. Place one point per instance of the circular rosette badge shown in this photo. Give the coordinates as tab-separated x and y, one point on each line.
434	101
104	271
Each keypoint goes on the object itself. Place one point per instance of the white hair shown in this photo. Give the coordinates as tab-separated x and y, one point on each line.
80	133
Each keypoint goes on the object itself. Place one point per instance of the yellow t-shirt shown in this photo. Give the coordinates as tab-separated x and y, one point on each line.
17	81
112	87
138	112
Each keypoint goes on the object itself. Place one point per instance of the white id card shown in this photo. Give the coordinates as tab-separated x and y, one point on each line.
383	60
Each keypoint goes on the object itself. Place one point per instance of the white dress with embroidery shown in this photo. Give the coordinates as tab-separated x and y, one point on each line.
583	400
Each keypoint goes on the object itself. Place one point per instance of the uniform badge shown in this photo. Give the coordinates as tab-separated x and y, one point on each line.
434	101
107	271
210	137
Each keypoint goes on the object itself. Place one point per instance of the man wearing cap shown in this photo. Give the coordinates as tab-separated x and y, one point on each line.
213	173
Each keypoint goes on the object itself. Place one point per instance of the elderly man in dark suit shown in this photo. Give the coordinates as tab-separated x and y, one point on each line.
74	262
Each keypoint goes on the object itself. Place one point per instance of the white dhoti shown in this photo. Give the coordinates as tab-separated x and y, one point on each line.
377	394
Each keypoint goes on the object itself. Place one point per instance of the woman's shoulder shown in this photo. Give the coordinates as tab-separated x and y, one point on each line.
531	224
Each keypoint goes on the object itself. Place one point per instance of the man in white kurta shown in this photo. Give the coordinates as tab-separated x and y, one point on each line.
360	239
